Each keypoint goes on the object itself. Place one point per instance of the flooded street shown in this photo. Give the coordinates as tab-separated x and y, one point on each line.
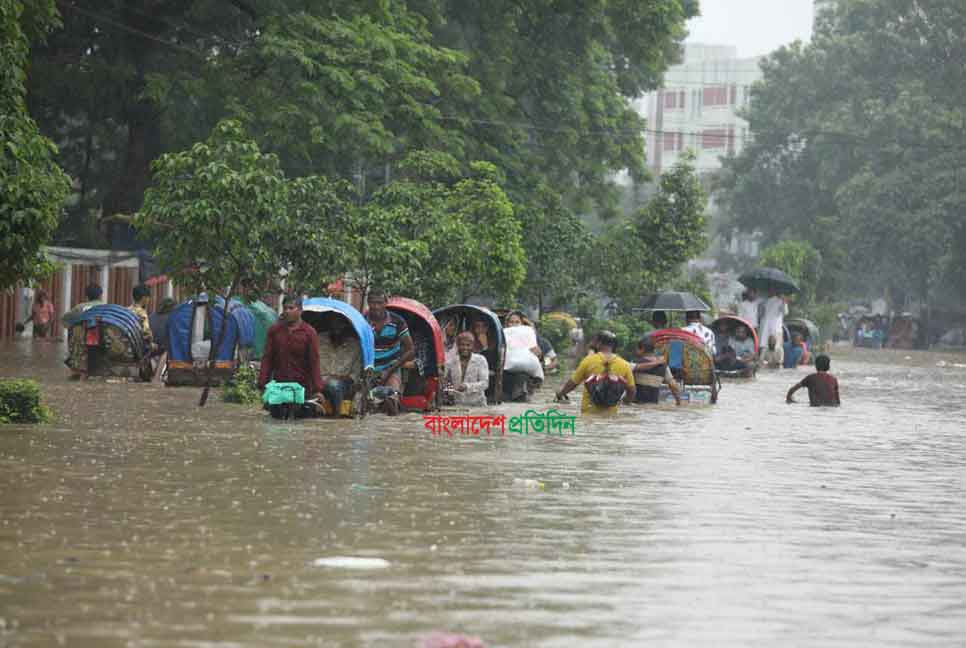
138	519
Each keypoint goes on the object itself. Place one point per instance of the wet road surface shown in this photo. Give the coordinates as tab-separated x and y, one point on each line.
138	519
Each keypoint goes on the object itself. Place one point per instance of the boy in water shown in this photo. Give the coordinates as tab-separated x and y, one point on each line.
823	387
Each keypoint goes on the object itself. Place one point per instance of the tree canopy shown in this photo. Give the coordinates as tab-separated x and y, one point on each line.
348	89
645	252
855	147
32	186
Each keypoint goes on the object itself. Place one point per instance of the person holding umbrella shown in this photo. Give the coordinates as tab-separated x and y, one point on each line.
773	315
774	309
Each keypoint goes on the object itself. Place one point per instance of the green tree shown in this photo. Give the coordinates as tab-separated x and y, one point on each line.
855	147
348	89
644	253
32	187
554	239
434	234
800	261
336	87
223	216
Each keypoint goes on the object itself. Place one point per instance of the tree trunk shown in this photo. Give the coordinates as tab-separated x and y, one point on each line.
143	146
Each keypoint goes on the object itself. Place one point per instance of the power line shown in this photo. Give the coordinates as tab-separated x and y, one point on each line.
134	30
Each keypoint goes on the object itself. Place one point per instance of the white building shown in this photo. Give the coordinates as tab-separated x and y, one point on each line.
697	108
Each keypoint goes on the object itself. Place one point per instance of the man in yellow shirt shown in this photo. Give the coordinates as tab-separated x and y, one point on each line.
606	378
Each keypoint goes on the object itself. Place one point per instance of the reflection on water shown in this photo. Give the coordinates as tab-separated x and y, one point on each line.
138	519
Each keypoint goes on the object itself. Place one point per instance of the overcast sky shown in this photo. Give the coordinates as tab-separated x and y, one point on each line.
753	26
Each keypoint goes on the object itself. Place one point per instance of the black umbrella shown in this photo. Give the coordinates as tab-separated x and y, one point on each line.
673	301
768	279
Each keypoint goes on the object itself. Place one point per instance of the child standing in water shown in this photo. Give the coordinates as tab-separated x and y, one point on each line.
823	387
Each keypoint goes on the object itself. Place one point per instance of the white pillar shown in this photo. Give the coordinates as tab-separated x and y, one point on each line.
281	296
25	297
169	289
104	277
346	285
66	275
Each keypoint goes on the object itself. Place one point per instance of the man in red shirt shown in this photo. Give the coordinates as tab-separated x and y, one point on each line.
823	387
292	355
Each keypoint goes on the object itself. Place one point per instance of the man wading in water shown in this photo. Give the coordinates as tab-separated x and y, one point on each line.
823	387
607	378
292	355
394	348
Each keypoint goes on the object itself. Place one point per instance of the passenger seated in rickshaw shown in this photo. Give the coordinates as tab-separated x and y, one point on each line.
728	360
340	361
485	344
467	375
743	345
420	366
449	327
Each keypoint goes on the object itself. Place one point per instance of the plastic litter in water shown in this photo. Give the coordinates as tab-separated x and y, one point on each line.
351	562
529	483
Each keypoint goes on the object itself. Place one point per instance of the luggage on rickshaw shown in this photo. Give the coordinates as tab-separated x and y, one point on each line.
193	327
690	362
724	328
107	340
422	377
466	317
318	312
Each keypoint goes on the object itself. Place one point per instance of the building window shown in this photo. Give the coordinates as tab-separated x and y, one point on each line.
670	142
673	100
715	96
715	138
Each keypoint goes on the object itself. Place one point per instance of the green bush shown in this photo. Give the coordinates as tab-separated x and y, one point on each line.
628	328
557	331
20	402
242	388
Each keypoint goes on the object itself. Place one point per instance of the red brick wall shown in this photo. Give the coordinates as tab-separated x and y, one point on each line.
8	314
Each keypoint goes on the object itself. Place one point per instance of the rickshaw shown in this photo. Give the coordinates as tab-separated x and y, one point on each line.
690	362
905	332
807	329
316	311
724	327
423	375
465	315
192	328
106	340
869	332
809	332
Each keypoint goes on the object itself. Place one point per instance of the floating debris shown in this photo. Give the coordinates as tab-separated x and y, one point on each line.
351	562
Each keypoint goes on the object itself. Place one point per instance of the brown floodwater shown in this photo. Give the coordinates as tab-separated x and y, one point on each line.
138	519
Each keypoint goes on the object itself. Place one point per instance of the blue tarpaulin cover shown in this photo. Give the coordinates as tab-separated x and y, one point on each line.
117	316
240	330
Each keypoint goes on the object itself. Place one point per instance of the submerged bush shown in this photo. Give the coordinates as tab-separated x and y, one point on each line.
242	387
557	331
20	402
